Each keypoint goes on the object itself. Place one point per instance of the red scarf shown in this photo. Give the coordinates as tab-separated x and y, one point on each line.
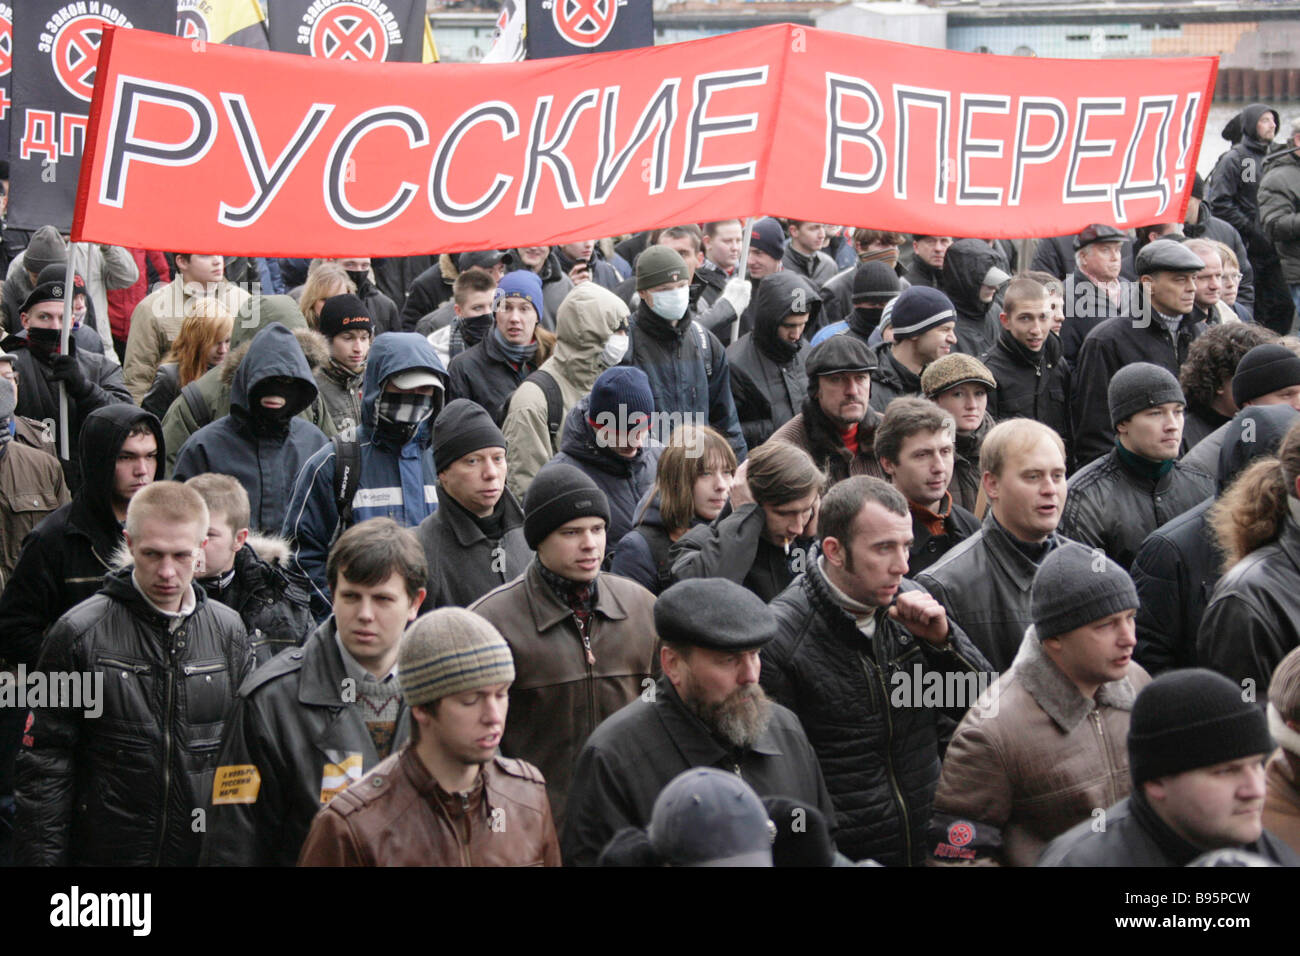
850	438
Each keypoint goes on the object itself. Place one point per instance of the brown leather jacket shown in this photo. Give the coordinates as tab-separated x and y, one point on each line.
559	697
31	486
1030	760
397	815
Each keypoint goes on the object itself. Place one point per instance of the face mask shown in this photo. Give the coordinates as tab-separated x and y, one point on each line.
615	349
474	328
44	341
671	304
361	278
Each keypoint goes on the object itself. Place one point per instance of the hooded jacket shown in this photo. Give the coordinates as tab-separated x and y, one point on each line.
340	392
964	267
1030	384
880	760
292	723
1179	563
625	481
1279	211
214	385
1110	506
587	318
121	789
264	461
1033	758
768	381
1233	189
397	482
65	558
687	384
38	398
484	373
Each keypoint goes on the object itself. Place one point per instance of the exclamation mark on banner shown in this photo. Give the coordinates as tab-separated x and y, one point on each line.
1185	140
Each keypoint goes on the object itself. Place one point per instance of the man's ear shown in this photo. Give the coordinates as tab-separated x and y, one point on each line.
671	663
989	481
416	602
887	467
241	538
833	549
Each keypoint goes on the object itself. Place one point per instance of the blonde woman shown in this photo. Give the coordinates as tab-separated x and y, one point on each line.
325	279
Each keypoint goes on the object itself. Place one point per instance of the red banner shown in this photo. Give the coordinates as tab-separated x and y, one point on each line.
254	153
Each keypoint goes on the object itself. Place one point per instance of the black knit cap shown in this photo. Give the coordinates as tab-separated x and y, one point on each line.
461	427
559	494
1265	368
874	282
344	313
1192	718
1139	386
713	613
1075	586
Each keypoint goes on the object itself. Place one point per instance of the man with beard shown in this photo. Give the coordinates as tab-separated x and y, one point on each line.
847	628
707	710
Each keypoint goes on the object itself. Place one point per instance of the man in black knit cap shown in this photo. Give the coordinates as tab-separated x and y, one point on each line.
1196	752
346	323
475	541
583	640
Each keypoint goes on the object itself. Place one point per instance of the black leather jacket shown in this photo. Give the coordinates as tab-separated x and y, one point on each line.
1109	506
122	789
880	761
272	602
984	584
292	723
1253	619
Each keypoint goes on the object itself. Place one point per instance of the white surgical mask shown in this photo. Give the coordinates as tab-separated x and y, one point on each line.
615	349
671	304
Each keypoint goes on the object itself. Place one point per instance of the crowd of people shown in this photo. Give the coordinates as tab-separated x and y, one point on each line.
868	549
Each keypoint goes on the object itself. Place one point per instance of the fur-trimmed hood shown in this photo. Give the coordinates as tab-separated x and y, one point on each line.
270	548
314	345
1056	693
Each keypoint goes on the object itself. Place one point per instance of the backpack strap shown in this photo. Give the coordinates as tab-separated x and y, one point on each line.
347	473
554	403
706	347
197	404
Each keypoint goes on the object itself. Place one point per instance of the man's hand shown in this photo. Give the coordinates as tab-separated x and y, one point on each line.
740	495
810	529
922	615
66	369
737	291
580	273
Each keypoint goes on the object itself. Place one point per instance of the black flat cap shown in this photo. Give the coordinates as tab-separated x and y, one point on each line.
1098	233
839	353
714	613
1167	255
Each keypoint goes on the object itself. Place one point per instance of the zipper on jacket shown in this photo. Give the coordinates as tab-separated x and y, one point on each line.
1105	752
889	750
167	750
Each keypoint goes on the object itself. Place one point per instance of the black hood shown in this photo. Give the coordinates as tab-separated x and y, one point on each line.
778	295
274	352
102	436
1244	123
579	443
1269	425
964	267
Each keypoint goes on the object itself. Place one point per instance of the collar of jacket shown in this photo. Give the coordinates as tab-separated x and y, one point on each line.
657	327
805	263
548	610
968	445
841	622
824	435
934	522
81	521
1014	563
1043	359
463	525
890	368
479	796
320	680
342	377
1177	850
1056	694
119	586
698	747
1153	473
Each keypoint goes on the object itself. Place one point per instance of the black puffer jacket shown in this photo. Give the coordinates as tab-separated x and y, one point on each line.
485	374
66	557
121	790
293	724
768	379
272	602
265	460
964	267
1135	836
881	762
1030	384
1110	346
733	547
1179	563
1253	618
624	481
984	584
1112	507
890	379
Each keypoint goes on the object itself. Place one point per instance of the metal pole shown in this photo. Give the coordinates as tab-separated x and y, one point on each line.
64	425
742	267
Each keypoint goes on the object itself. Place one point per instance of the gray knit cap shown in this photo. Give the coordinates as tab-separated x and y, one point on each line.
1139	386
449	651
1075	586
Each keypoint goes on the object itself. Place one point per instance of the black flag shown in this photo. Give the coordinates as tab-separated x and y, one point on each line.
392	31
566	27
